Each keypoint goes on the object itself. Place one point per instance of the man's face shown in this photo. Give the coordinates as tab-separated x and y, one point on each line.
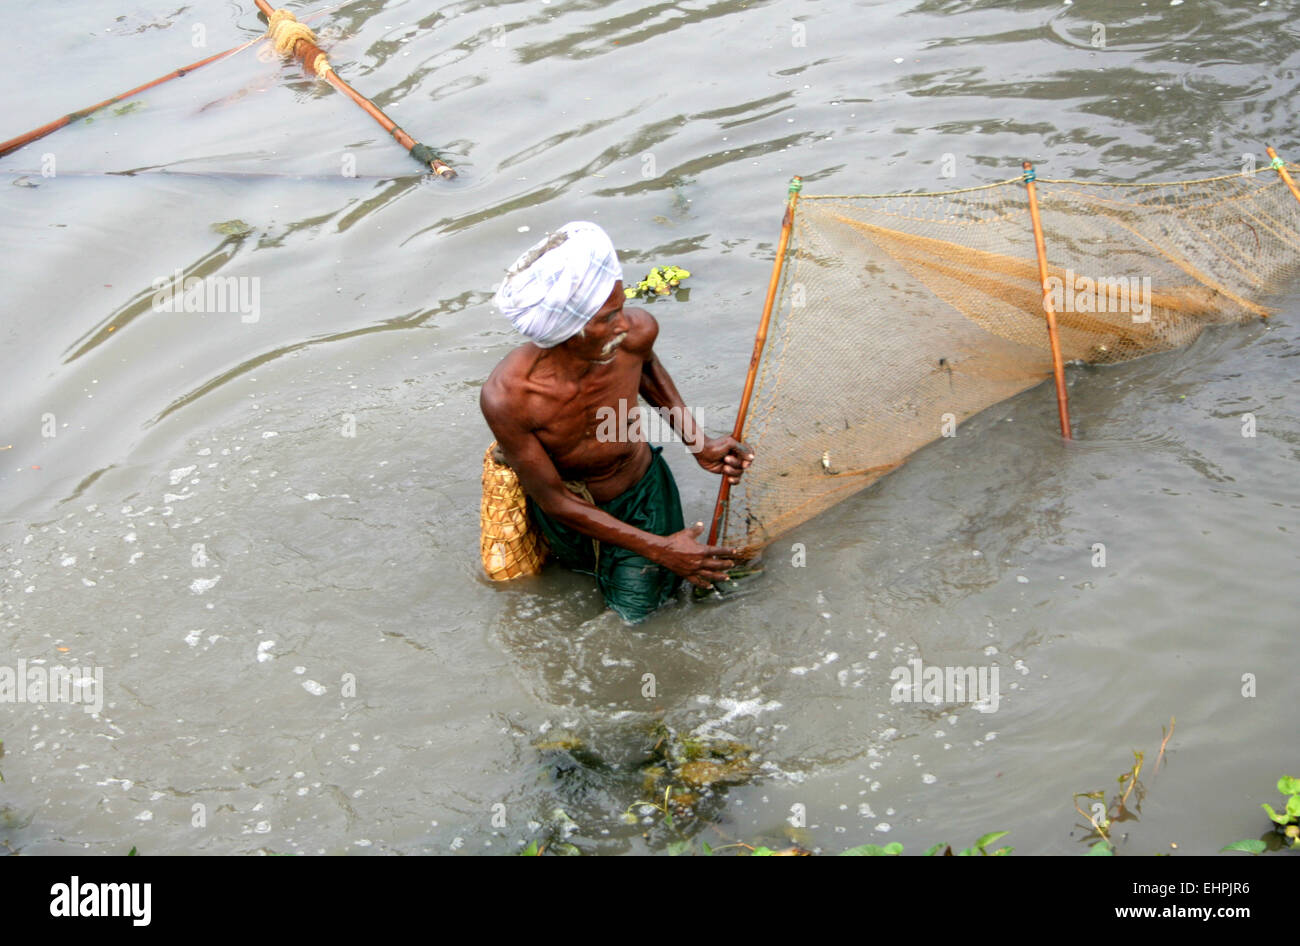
604	331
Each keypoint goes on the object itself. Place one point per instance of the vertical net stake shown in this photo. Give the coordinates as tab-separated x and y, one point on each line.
760	339
1058	366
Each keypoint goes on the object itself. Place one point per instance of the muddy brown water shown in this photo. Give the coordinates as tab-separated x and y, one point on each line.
262	530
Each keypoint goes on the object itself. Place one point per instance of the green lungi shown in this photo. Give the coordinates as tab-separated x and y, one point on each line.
632	585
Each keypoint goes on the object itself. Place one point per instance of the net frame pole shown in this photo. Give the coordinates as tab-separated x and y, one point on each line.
314	58
760	340
13	144
1058	365
1280	166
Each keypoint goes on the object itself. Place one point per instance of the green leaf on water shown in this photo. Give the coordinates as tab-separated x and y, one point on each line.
678	848
1293	806
708	851
1288	785
892	849
1250	846
761	852
126	108
990	838
133	852
934	851
530	851
1100	849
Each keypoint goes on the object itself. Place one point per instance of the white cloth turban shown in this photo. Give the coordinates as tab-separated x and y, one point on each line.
555	288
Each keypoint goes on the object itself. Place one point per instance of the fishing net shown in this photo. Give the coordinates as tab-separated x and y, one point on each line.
901	316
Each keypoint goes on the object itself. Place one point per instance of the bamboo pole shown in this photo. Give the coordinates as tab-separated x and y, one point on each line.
1280	166
301	43
1058	366
760	338
13	144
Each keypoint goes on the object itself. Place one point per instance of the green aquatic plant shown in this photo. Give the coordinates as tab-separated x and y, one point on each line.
660	281
1104	814
893	849
942	849
1286	823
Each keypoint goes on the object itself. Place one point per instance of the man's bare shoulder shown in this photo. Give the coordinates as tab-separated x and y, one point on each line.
642	330
505	392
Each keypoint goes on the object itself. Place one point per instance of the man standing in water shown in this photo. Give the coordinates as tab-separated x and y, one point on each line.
561	407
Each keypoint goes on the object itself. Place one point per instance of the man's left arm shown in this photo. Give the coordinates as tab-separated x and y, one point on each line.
724	455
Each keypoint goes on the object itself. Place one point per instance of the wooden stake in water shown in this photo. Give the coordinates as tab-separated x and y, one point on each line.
1058	366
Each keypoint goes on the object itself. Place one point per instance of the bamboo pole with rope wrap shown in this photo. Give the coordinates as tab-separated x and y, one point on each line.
1279	165
760	339
293	37
1058	366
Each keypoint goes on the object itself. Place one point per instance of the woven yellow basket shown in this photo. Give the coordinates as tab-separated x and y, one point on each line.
510	545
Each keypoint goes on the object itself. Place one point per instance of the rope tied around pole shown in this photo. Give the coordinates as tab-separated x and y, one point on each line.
285	31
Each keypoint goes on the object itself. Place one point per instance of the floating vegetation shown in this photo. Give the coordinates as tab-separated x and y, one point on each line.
660	281
1286	824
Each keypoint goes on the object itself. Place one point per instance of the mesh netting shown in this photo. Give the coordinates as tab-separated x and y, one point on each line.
902	315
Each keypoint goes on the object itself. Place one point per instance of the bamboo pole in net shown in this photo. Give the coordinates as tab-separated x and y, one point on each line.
1058	366
760	339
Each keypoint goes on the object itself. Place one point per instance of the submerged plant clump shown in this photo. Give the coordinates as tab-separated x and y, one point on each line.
690	771
671	787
